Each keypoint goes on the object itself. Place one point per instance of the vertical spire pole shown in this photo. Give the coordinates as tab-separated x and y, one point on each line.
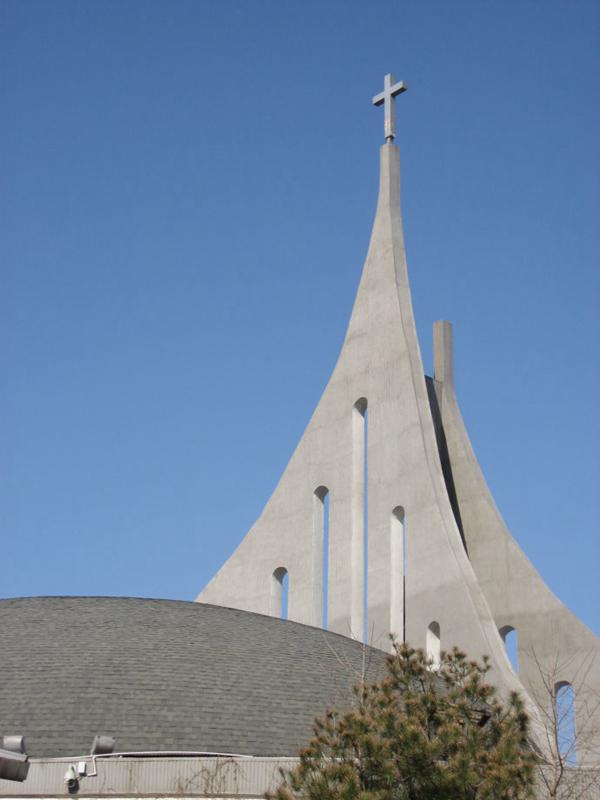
443	359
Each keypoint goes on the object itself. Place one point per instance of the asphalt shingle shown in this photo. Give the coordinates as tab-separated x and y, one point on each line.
168	675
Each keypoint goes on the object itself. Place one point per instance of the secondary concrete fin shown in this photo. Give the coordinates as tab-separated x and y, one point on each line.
554	647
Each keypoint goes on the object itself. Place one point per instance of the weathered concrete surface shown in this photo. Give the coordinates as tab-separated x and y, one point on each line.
553	645
380	366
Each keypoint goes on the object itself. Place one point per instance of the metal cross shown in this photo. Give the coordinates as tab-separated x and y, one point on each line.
386	98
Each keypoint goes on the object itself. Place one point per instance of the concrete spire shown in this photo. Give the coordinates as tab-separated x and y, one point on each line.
378	383
386	438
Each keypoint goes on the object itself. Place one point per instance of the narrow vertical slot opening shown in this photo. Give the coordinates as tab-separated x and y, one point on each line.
511	643
404	572
280	593
434	645
397	573
366	633
321	528
359	540
564	709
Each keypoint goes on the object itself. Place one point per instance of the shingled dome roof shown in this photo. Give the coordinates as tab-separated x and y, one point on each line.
167	675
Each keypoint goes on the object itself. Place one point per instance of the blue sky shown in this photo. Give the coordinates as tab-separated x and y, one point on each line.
187	195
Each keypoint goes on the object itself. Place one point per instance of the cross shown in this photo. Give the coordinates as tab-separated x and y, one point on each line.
386	98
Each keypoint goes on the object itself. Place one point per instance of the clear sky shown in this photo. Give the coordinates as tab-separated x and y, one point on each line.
187	195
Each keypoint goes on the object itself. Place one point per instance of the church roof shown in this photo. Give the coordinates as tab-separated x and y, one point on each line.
167	675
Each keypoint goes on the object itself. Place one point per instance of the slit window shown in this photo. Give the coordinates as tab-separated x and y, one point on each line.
279	593
564	708
359	541
397	573
321	541
434	645
511	643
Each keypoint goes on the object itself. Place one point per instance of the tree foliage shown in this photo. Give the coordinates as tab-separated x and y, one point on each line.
419	734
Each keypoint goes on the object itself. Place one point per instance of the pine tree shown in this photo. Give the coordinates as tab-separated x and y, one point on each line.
422	733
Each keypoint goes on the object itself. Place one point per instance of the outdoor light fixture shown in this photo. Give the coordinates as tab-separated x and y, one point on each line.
14	761
72	780
102	745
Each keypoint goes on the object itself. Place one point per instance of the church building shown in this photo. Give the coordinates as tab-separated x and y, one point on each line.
381	523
